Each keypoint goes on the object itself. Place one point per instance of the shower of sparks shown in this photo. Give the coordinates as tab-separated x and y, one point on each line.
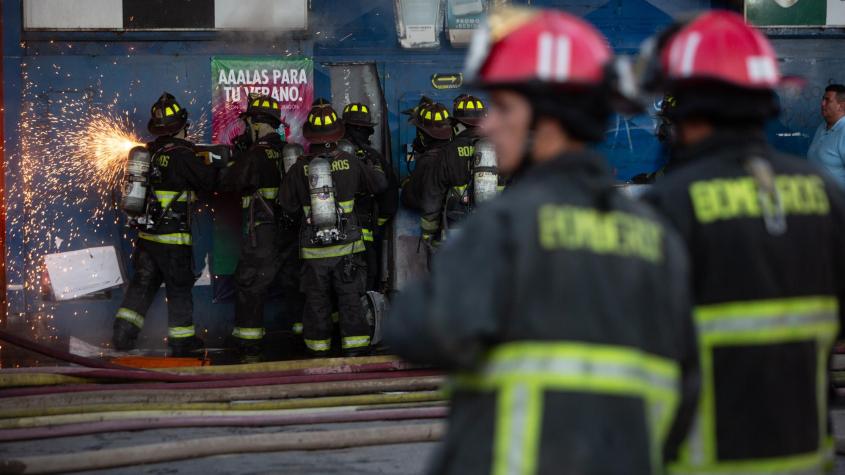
74	147
108	140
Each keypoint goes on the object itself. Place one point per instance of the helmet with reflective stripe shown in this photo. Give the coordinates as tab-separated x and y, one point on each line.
720	46
469	110
263	108
413	110
358	114
520	46
167	117
716	67
433	119
559	62
323	124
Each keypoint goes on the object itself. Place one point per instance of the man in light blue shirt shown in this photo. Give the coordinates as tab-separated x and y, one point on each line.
828	146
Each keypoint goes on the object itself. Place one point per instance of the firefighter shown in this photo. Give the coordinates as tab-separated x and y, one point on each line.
665	134
163	252
434	132
562	306
291	265
447	191
324	185
417	146
256	175
765	233
373	210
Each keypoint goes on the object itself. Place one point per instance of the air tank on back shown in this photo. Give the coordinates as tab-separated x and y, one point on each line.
485	173
136	175
323	207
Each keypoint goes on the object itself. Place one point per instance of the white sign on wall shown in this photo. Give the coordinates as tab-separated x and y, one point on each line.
75	274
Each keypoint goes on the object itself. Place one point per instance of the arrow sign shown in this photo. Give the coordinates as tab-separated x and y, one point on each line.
447	80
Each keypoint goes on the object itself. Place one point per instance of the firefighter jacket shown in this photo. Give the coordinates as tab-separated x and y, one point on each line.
256	175
176	173
767	305
413	190
375	210
446	183
350	176
562	308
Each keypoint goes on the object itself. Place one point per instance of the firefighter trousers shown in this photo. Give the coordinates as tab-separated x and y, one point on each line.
157	263
256	271
294	299
372	254
345	278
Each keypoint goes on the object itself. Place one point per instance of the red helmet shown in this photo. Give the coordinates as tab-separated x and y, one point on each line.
718	46
520	46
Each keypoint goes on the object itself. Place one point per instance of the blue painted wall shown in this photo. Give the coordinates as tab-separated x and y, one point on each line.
133	69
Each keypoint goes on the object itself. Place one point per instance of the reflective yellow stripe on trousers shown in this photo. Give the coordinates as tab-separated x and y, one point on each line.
360	341
757	323
130	316
181	332
248	333
319	345
522	371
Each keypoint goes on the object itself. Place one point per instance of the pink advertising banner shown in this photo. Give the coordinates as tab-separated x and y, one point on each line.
288	80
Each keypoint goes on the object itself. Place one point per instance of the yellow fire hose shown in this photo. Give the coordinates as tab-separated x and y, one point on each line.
188	449
20	380
284	391
222	406
53	421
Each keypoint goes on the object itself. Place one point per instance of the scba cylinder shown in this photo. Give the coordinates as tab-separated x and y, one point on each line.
323	207
136	173
485	173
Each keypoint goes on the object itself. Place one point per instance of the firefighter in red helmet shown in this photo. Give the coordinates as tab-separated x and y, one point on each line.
561	305
767	242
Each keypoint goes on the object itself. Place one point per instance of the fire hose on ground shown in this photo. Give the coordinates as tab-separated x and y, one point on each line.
100	427
93	387
330	401
19	377
186	449
68	401
206	373
154	415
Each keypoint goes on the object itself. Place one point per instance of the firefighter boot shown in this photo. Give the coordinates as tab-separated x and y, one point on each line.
124	335
249	349
181	347
363	351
